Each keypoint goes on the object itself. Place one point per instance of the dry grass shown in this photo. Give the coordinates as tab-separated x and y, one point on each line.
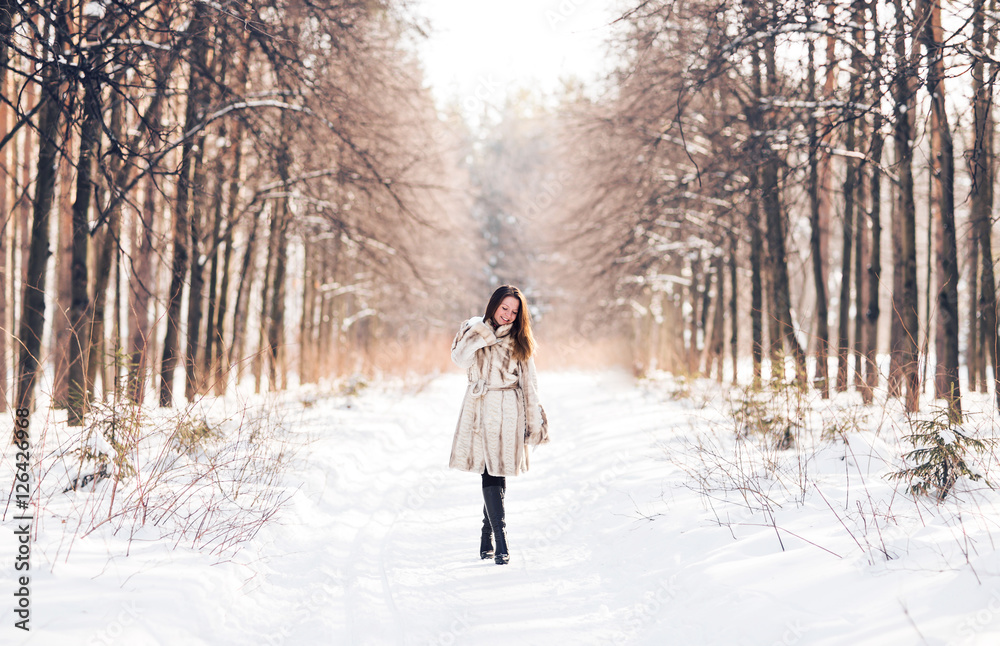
184	476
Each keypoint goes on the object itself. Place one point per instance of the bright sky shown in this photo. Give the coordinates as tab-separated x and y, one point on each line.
480	49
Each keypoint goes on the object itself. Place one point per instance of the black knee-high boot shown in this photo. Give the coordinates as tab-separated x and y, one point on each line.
493	496
486	541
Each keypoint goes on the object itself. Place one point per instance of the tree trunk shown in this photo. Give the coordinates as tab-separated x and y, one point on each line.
22	246
850	189
981	171
243	290
733	308
307	352
719	322
93	353
773	348
62	325
168	362
6	8
257	365
771	200
874	273
753	117
706	306
142	282
194	376
80	301
756	290
905	306
276	331
933	205
179	266
97	358
860	262
140	291
946	385
826	183
844	316
875	264
972	350
822	377
3	316
214	244
219	367
32	319
3	304
107	252
692	352
219	361
323	341
894	383
116	332
195	291
218	354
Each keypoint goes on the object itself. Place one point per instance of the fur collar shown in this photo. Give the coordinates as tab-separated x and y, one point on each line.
503	330
499	332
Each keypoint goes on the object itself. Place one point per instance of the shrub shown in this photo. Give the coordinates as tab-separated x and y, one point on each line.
940	456
209	480
845	420
107	447
759	413
190	435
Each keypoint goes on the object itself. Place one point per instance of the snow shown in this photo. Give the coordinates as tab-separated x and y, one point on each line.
95	10
644	522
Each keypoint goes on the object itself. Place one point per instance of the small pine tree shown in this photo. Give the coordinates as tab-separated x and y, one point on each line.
941	449
771	415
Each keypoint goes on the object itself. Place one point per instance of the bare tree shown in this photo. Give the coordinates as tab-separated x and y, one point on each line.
198	45
850	195
79	342
32	319
904	298
822	378
982	173
946	385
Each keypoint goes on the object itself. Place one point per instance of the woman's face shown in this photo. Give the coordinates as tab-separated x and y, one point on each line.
507	310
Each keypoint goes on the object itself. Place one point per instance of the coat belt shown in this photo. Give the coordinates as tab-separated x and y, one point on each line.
478	392
480	388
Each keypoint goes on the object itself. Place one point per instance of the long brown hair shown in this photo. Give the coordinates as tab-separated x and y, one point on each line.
524	341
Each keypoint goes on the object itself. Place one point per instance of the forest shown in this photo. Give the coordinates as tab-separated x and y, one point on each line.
196	193
757	248
167	166
776	162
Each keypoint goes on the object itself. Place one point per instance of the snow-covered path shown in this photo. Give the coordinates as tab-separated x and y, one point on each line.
610	544
404	550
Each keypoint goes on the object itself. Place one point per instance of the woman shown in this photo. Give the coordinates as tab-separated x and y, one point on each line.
500	415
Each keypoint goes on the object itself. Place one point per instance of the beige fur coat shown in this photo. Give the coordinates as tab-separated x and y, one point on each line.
501	414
